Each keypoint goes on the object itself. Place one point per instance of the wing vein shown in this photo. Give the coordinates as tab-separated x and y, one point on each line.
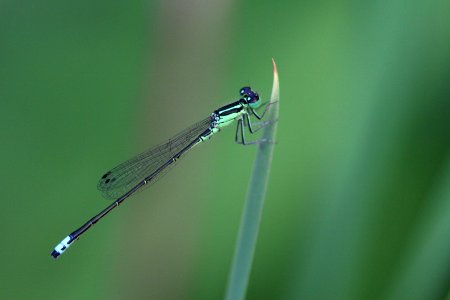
128	174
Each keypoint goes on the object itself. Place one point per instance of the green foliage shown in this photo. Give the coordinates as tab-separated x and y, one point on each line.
357	202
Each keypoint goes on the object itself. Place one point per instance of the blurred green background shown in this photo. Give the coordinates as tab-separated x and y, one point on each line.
358	205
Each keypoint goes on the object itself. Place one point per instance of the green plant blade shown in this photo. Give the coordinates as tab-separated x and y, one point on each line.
251	217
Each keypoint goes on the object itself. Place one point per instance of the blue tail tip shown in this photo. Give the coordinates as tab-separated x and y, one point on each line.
55	254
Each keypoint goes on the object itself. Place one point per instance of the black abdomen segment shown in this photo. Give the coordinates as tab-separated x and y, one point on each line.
74	235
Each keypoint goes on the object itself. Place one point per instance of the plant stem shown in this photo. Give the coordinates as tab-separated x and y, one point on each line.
251	217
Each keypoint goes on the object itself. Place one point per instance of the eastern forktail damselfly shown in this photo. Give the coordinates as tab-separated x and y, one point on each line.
144	169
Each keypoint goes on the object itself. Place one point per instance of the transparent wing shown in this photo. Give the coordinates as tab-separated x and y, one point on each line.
128	174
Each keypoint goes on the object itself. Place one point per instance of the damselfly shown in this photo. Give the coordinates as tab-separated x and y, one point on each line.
144	169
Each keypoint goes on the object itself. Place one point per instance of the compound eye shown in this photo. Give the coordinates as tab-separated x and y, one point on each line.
245	90
254	99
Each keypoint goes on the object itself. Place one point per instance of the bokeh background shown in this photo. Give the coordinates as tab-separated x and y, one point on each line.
358	205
